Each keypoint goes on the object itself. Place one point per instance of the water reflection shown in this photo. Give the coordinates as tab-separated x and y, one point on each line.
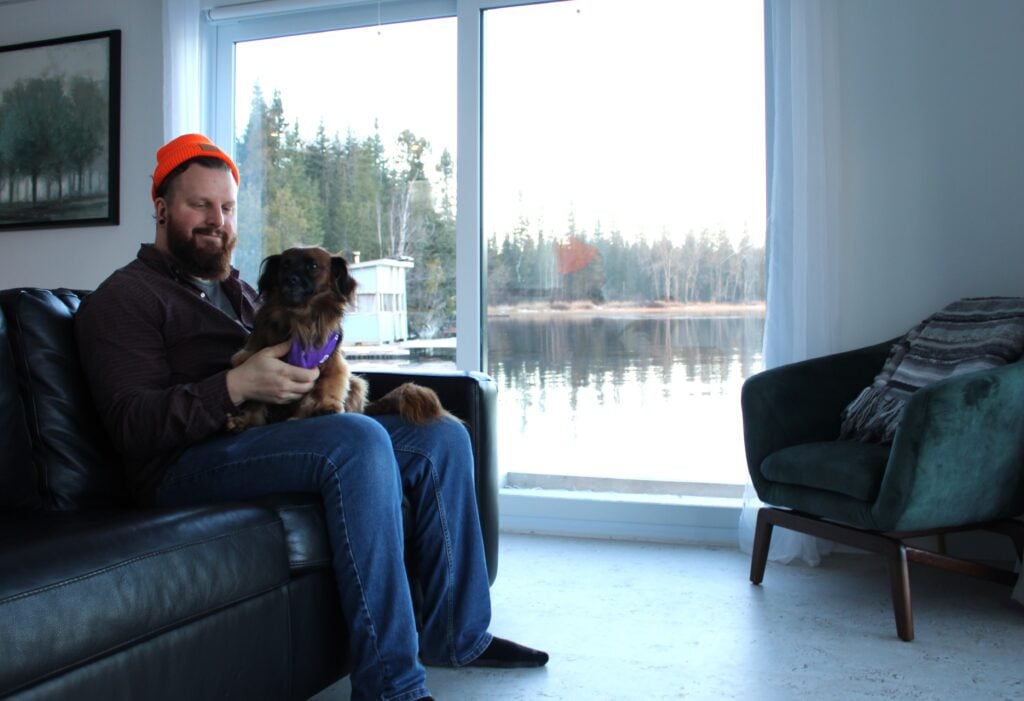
651	397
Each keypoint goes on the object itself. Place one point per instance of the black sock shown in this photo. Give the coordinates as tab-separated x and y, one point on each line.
505	653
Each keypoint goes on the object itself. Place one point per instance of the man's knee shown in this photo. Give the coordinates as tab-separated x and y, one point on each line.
447	440
360	454
452	432
341	438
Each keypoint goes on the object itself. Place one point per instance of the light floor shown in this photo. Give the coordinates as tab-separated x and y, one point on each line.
647	621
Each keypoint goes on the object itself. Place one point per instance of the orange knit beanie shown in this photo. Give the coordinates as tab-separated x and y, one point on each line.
184	148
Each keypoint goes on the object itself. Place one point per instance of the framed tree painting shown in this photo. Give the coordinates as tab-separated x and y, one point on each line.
60	105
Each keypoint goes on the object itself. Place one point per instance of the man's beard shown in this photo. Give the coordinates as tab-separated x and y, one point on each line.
193	259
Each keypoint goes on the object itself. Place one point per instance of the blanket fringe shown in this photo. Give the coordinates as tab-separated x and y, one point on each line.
872	417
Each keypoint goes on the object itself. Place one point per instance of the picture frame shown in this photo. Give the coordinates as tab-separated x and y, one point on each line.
60	107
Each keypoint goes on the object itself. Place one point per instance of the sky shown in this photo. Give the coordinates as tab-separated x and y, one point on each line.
401	76
645	117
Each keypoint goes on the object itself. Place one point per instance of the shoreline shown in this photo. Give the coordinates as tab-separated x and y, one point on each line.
541	310
400	351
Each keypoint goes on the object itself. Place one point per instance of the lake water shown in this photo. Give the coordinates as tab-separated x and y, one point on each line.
650	397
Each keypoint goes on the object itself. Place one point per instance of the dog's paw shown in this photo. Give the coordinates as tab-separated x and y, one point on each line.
251	414
311	405
236	423
323	410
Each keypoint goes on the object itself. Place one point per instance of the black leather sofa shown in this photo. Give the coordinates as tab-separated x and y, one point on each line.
100	599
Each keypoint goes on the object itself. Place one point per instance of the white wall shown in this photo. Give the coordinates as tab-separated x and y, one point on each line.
82	257
933	150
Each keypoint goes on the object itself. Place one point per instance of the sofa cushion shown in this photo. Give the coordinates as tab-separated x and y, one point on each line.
76	463
18	489
851	468
80	586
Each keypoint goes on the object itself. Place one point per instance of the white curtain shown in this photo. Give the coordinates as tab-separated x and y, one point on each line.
181	68
804	187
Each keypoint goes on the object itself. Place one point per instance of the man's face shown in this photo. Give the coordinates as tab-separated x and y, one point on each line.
198	228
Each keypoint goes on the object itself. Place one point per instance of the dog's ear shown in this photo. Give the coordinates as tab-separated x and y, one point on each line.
339	272
268	275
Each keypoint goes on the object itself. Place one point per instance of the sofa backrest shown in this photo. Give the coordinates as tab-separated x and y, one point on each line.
17	479
73	464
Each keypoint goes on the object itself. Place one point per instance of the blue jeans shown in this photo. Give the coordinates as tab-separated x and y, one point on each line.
360	467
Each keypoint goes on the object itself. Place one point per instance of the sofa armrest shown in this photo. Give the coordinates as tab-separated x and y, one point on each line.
473	397
958	455
803	402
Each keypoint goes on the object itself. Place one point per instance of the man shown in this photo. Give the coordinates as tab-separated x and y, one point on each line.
155	340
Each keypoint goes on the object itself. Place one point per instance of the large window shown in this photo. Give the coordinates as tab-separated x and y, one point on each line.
604	261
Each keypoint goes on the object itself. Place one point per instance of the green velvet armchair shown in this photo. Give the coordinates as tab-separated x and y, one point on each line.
956	463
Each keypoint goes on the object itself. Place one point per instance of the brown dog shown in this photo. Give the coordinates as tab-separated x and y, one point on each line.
303	294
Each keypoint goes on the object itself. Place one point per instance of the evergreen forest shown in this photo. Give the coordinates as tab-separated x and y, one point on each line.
356	194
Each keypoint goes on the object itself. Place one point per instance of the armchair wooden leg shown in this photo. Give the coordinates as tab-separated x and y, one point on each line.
899	580
762	540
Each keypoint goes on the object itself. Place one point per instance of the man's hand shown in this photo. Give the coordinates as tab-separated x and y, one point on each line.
264	377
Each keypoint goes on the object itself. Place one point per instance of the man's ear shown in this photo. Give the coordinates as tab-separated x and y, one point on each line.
268	274
339	271
160	210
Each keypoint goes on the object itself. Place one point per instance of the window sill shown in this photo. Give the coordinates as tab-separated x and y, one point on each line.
620	485
671	518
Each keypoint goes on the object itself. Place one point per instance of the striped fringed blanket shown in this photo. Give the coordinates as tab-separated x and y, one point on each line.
966	336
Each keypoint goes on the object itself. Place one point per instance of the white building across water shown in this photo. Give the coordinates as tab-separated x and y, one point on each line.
380	314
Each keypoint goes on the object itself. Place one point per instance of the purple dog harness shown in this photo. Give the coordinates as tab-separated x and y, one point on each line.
310	358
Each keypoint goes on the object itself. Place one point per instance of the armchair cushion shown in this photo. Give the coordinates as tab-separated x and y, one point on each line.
851	468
